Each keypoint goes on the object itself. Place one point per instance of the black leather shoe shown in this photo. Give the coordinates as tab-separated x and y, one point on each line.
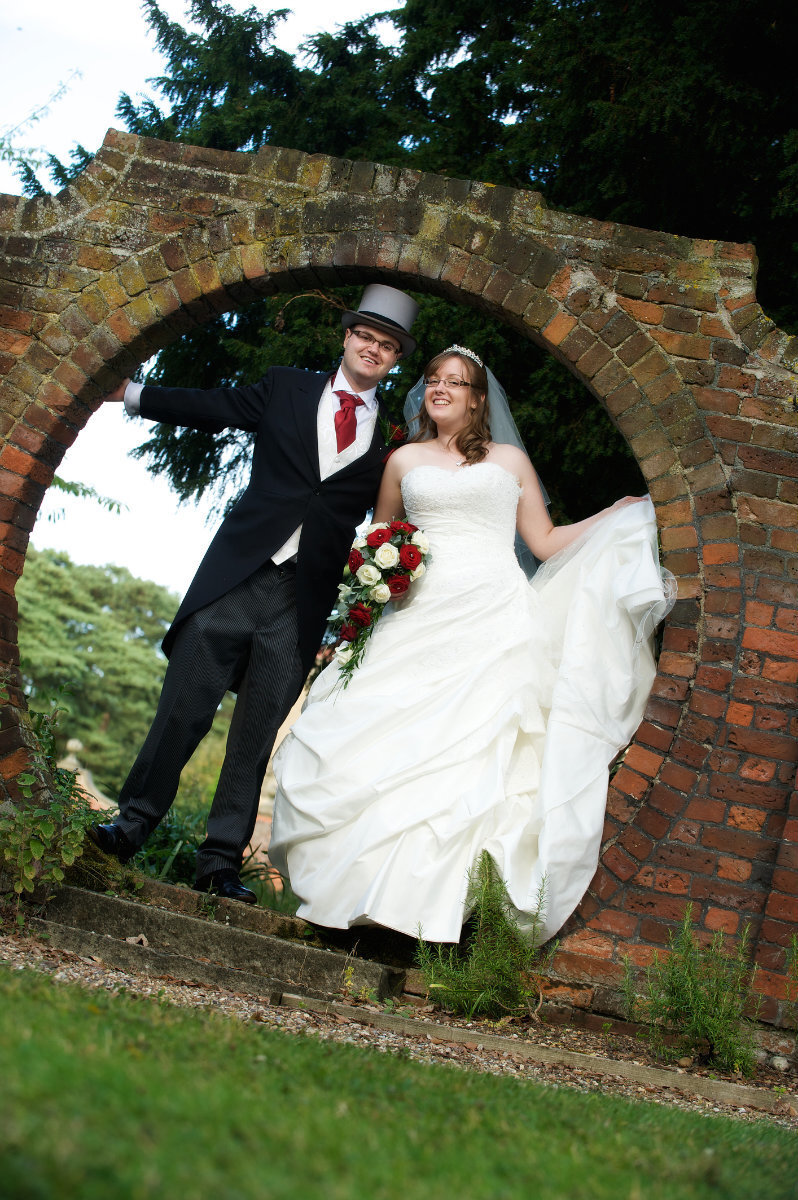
111	840
226	883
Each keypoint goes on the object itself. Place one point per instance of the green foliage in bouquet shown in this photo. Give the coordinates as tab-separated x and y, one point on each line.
696	999
382	565
496	973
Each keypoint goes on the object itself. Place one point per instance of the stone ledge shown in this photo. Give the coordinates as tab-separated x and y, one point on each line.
194	944
718	1090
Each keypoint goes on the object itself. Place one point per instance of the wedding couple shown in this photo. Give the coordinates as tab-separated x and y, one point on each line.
487	707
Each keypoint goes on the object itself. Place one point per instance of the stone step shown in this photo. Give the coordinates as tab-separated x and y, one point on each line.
181	899
215	948
143	960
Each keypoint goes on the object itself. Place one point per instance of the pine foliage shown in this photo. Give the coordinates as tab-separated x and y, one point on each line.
494	974
682	117
699	999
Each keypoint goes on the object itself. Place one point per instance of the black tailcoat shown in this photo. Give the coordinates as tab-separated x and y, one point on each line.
285	490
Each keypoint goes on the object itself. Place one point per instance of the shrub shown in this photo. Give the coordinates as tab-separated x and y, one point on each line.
695	1000
272	891
493	973
44	833
170	851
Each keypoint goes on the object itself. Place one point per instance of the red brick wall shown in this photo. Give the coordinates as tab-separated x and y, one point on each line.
666	333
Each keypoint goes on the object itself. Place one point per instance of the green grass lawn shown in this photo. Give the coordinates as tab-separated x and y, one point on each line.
111	1097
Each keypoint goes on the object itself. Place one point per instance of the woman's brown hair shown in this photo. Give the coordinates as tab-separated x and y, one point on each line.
472	441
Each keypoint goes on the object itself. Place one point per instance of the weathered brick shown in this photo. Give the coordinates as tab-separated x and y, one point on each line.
649	367
630	783
634	348
617	330
666	799
667	908
682	345
593	360
609	378
559	327
577	343
743	817
642	310
619	863
720	919
748	900
772	641
734	869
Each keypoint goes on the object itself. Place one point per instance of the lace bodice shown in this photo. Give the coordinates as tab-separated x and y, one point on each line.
468	514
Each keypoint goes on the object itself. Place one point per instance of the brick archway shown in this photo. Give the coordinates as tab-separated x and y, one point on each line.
155	238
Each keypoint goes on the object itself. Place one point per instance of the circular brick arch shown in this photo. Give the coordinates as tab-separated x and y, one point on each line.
155	238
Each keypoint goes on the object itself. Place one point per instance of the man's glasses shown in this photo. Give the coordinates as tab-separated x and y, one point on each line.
447	383
370	340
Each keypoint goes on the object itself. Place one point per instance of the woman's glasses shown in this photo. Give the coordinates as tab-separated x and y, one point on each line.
447	383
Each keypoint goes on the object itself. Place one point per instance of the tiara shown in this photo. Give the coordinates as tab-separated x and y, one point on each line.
468	353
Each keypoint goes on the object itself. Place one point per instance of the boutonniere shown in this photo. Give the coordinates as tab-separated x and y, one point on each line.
392	435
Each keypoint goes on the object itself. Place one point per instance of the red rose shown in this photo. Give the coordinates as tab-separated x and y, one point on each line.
402	527
360	614
355	560
349	632
377	537
410	557
399	584
397	434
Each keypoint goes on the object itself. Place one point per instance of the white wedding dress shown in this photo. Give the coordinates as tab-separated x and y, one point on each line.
484	716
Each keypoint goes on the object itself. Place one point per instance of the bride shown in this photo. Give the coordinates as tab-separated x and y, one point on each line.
487	708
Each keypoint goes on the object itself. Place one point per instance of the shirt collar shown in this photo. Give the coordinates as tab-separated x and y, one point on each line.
341	384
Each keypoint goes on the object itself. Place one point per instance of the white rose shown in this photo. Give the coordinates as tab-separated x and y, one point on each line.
381	593
421	540
368	575
379	525
343	653
419	571
359	543
386	555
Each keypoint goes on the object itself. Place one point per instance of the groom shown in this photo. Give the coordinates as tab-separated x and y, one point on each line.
254	615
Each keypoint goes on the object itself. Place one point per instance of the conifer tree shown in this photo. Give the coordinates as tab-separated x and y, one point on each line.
682	117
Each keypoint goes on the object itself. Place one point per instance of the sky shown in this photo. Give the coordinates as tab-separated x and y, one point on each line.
98	49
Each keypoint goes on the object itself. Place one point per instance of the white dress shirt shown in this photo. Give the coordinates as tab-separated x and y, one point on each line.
330	460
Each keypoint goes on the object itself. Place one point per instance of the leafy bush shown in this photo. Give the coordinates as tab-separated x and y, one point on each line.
494	973
171	849
44	833
271	891
696	999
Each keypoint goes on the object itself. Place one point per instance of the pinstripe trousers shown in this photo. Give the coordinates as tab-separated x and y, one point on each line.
250	634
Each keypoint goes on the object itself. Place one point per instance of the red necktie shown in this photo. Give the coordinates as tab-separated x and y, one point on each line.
346	419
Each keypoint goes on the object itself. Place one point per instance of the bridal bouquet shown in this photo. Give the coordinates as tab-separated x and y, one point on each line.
382	564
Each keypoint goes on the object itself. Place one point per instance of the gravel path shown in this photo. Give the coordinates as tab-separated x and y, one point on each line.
20	952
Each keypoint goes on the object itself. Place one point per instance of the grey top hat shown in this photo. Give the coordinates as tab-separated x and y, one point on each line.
385	308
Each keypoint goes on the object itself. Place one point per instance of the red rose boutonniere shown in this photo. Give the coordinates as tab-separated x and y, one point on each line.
393	435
